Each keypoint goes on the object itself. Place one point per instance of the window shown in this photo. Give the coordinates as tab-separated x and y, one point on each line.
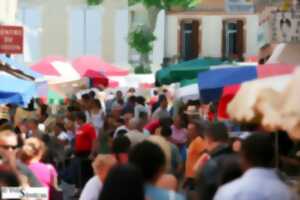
31	19
189	39
85	24
233	39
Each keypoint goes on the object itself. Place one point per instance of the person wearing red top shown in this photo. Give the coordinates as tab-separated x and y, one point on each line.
84	141
85	136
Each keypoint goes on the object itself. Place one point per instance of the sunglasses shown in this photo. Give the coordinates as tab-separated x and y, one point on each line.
9	147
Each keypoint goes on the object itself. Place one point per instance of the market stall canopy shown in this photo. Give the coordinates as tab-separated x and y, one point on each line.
242	106
85	63
188	90
27	74
184	70
62	78
21	67
97	78
212	83
272	102
133	80
45	66
19	92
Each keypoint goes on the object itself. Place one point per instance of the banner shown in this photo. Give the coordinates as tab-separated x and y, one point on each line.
11	39
285	27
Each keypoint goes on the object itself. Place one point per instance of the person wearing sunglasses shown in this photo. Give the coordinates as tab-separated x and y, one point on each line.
8	151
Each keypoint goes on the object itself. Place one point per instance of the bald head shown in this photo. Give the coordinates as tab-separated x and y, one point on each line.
102	165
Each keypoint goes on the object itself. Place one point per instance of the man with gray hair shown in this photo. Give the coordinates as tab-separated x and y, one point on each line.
135	134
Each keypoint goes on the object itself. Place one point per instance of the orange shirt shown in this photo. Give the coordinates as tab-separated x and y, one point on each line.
195	150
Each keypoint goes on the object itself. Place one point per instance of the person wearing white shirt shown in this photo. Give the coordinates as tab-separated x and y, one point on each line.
260	181
97	115
101	165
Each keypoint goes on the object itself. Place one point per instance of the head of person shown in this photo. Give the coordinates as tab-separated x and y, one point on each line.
163	101
96	104
166	121
140	100
215	134
136	124
33	149
103	164
42	112
33	124
120	148
179	121
195	128
257	151
23	126
131	100
8	139
119	95
166	131
58	128
127	117
131	92
85	101
140	156
92	94
236	139
123	182
80	118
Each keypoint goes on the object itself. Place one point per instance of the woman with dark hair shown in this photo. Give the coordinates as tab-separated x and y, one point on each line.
123	182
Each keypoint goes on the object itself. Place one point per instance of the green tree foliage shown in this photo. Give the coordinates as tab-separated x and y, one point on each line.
165	4
141	40
94	2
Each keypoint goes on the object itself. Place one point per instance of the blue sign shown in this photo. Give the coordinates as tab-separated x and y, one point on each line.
239	6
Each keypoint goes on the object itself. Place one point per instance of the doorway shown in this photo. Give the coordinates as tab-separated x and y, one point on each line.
189	39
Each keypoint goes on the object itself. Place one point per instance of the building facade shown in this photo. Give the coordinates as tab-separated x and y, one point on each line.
71	29
211	31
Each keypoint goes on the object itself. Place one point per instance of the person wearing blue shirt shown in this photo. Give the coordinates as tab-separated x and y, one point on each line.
260	181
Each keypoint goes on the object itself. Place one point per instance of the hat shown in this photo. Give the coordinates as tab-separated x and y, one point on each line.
192	110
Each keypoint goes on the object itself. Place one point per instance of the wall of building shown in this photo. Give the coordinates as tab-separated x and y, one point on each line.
8	10
55	31
211	28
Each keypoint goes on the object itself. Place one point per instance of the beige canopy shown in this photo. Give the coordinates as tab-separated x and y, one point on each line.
274	102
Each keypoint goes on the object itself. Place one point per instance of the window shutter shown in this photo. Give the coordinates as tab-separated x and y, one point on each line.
224	39
195	38
240	39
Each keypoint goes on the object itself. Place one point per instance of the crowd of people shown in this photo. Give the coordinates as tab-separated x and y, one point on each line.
130	147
